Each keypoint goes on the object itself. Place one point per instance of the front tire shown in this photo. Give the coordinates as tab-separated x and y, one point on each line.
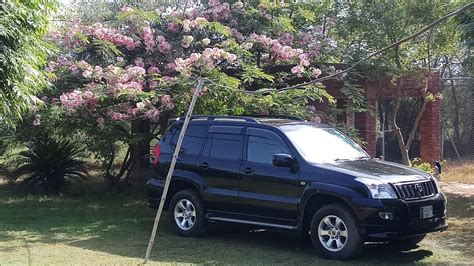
186	213
334	233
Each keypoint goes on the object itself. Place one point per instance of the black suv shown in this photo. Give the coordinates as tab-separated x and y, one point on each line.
284	172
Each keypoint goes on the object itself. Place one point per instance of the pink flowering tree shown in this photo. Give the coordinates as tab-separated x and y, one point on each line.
114	78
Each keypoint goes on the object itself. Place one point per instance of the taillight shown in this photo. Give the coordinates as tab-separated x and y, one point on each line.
156	153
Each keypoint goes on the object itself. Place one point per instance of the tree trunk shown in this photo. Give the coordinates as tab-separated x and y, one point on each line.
139	150
396	128
456	123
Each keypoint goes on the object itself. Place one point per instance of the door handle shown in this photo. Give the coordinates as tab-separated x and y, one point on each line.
204	165
247	171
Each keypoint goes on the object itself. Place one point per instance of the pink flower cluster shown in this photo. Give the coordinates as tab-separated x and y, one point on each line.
147	35
107	34
206	60
163	45
279	51
218	11
77	99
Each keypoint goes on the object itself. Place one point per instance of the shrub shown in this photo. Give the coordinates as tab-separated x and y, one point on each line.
48	164
427	167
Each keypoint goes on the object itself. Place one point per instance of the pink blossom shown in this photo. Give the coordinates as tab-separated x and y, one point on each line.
83	65
152	114
139	62
167	102
147	35
100	122
87	74
174	27
120	59
304	60
153	70
213	3
117	116
286	38
136	72
126	9
153	84
298	69
160	39
316	72
164	47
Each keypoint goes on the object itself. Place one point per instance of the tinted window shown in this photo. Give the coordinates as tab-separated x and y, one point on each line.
192	142
191	145
261	149
224	146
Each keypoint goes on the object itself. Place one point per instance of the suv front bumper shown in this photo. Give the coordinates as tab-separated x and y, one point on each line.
406	220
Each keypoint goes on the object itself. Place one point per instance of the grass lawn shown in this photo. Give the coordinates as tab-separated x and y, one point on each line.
101	228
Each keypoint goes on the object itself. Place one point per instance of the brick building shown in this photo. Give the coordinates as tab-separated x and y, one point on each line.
366	122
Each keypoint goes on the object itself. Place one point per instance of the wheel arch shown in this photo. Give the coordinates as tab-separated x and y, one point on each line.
320	198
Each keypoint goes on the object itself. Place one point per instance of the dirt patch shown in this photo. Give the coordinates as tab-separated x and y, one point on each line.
458	188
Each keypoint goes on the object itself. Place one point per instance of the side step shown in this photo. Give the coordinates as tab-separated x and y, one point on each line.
231	220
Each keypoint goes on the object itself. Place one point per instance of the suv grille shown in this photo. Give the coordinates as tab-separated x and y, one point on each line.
418	190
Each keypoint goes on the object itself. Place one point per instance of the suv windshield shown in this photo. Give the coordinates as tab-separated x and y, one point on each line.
322	145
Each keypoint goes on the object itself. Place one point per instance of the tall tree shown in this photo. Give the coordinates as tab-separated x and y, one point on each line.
366	27
23	53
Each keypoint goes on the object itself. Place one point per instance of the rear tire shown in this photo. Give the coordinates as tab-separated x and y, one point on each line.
408	243
335	234
186	213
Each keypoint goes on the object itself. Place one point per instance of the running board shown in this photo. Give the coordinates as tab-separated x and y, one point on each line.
251	222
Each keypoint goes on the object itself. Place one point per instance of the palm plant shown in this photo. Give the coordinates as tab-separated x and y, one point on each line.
50	163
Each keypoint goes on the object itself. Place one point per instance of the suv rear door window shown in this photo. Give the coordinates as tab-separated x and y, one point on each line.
224	146
192	142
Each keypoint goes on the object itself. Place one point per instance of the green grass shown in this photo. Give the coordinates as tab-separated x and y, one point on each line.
102	228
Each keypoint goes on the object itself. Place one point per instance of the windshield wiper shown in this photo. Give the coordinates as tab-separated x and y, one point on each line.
352	159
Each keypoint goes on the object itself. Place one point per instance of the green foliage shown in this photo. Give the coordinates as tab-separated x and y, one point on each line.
427	167
23	53
253	73
49	164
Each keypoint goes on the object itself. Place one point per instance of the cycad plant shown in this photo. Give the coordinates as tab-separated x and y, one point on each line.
49	164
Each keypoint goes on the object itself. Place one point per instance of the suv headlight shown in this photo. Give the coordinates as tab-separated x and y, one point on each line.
377	188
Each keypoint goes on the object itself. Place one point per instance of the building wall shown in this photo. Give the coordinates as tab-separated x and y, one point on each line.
430	133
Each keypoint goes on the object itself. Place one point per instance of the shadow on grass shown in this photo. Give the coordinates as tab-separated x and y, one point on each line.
120	224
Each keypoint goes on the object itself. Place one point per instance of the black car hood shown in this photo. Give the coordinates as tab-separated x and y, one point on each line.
373	168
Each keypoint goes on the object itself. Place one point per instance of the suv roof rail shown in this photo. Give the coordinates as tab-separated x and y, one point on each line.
246	118
219	117
289	117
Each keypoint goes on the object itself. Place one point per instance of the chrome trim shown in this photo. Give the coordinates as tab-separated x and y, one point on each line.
251	222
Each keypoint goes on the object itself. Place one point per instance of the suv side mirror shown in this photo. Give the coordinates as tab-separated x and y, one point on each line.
283	160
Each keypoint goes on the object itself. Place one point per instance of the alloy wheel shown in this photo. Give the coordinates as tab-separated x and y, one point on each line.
332	233
184	214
